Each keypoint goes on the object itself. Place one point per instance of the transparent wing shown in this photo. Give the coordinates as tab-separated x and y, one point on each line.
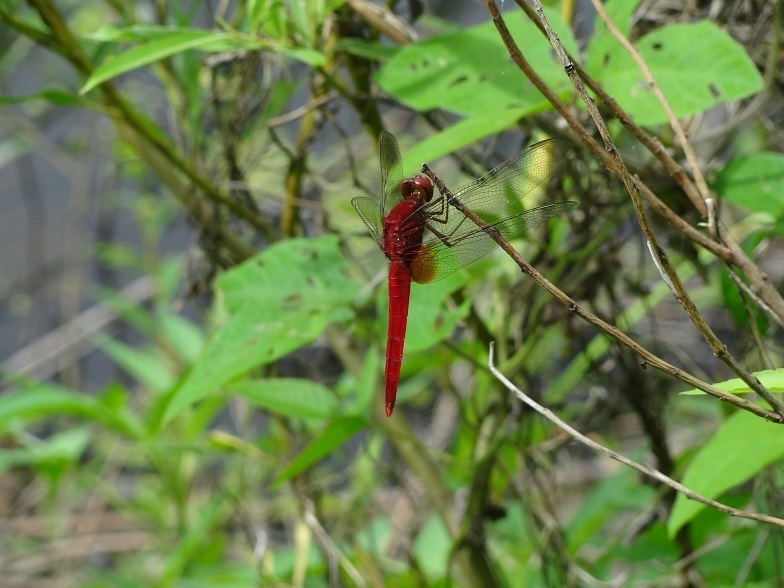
369	211
502	186
372	211
489	197
440	258
391	172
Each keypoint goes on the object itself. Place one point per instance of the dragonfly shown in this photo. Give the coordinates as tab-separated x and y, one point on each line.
427	238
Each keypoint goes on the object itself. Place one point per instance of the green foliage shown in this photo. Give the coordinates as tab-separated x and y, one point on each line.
243	437
755	183
692	76
739	449
273	303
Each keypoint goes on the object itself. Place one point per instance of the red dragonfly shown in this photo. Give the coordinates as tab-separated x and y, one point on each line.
426	239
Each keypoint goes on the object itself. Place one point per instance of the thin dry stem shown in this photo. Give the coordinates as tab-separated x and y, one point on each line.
660	257
607	328
645	469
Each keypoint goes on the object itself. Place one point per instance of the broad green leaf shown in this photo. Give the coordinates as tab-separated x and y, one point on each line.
289	396
461	134
276	302
52	454
151	52
773	380
336	434
696	66
68	445
756	182
740	448
602	45
293	276
471	73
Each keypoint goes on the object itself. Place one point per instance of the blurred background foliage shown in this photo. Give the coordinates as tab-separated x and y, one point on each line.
193	316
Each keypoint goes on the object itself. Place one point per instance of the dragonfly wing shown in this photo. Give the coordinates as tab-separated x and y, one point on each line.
507	183
391	171
369	211
439	257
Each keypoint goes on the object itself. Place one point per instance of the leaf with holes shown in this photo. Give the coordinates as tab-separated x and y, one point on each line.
697	66
470	72
276	302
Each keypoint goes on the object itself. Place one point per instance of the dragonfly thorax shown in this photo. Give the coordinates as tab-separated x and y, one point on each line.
418	189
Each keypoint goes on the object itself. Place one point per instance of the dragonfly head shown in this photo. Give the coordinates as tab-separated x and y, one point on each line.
416	189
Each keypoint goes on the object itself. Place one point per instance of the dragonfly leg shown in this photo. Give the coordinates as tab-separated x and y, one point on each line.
448	200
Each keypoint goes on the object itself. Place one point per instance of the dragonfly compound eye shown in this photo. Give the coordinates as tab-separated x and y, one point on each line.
416	188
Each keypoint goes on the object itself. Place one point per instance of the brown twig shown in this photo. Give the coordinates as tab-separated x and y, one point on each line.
660	258
645	469
617	167
584	314
727	250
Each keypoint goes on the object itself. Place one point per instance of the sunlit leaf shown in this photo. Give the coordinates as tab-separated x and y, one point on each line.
470	72
773	380
692	76
742	446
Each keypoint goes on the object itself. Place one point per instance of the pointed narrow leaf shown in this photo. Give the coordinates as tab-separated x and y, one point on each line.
150	53
336	434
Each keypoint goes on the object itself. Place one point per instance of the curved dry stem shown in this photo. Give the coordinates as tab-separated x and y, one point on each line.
645	469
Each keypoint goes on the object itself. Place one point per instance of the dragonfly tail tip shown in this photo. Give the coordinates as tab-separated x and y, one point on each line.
389	408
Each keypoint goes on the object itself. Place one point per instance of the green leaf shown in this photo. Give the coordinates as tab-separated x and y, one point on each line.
183	335
289	396
149	366
150	53
310	57
430	320
756	182
366	49
602	45
35	401
470	72
336	434
773	380
432	548
142	32
56	97
51	455
463	133
277	301
696	66
367	385
742	446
